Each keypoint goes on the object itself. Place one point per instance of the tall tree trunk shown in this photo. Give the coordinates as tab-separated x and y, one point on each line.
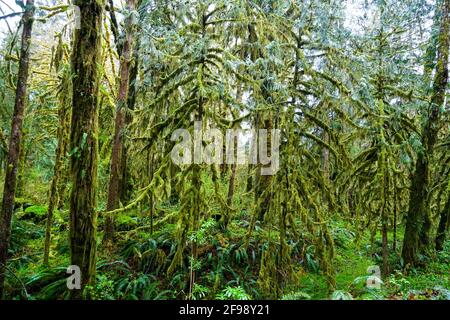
444	223
249	186
15	141
231	186
326	157
64	180
20	184
263	120
117	150
55	189
394	227
3	149
418	221
385	211
263	193
225	220
114	26
126	180
385	241
84	140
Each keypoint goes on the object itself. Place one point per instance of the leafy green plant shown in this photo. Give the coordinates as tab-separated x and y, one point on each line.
342	236
199	292
34	213
48	283
233	293
22	232
102	290
399	283
204	234
298	295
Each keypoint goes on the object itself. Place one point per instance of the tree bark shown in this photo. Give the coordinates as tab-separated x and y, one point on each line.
326	157
444	223
84	141
21	167
418	222
231	186
263	195
15	141
126	182
117	150
55	189
394	227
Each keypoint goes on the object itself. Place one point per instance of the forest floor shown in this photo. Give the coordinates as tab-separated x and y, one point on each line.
133	269
352	262
135	266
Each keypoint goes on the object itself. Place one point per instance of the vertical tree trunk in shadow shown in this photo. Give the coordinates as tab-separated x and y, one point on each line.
126	185
444	223
15	141
418	225
56	193
118	140
21	166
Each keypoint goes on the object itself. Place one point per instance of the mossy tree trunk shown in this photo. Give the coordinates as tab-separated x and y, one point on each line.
263	193
15	141
84	140
3	149
126	182
56	193
118	140
263	120
444	223
20	184
418	223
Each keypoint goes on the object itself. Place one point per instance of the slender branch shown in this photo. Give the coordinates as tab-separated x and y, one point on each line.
11	15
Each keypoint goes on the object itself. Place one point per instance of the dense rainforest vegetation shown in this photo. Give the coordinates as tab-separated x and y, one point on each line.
354	98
